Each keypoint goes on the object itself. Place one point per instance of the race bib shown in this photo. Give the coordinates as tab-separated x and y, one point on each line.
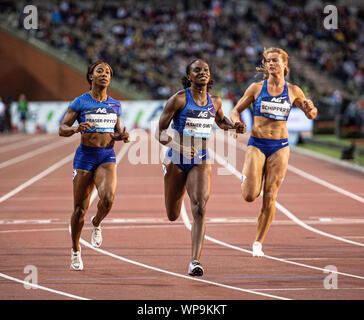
199	123
103	119
275	108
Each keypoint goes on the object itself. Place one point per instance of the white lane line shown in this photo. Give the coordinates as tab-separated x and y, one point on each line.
187	223
210	221
11	138
36	152
309	177
158	226
303	289
87	244
177	274
286	212
24	143
316	155
39	176
36	286
23	186
325	183
304	225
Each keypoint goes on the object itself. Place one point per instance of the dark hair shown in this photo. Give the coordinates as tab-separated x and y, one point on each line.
90	70
187	83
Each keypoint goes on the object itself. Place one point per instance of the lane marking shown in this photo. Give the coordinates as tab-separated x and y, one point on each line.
187	223
11	138
306	176
210	221
325	183
36	152
24	185
303	289
316	155
39	176
276	277
281	208
111	278
176	225
24	143
87	244
36	286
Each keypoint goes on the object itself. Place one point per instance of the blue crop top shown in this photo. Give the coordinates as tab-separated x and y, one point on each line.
103	115
194	120
273	107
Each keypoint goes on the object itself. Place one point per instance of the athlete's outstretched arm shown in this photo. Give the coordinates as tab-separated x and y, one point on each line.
224	122
304	104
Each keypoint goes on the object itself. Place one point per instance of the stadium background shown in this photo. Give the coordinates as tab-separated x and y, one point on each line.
149	43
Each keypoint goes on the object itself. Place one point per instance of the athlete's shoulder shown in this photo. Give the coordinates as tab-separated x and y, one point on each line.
179	97
114	101
294	88
77	102
83	97
216	99
254	88
257	84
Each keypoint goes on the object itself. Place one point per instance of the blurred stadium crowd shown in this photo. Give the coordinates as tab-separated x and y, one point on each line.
149	43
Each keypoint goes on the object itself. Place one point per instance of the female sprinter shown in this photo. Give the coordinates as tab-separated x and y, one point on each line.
268	151
186	166
98	117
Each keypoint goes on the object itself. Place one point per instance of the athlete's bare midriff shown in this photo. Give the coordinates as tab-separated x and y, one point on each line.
188	141
96	139
269	129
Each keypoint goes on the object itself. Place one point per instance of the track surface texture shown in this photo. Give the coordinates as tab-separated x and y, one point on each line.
314	249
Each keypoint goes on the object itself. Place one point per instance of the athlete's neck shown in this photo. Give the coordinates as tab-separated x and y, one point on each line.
99	94
276	81
198	90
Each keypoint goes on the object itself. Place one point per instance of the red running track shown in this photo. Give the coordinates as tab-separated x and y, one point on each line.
318	224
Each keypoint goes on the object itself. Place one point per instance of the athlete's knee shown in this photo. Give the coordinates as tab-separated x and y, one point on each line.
172	215
199	207
173	211
107	200
79	212
248	194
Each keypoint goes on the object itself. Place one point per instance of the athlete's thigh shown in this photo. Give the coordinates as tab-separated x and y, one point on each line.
174	185
105	179
199	182
276	168
253	170
82	187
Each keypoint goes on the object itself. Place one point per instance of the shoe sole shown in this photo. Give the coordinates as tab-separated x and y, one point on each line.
196	272
72	268
258	254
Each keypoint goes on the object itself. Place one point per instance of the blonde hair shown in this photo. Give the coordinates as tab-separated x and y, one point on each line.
263	69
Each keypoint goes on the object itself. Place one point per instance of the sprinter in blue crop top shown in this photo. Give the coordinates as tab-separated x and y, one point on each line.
268	151
98	117
192	112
